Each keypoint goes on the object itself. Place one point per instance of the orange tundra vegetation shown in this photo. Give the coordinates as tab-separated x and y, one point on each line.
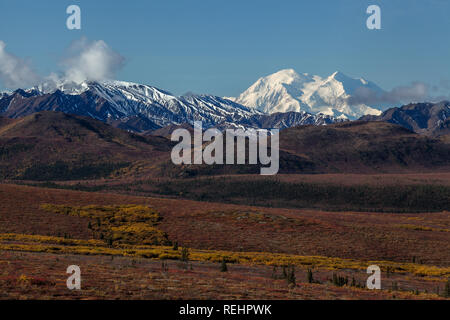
264	240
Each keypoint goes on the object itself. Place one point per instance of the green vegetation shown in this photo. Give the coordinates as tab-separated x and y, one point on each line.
394	286
223	266
447	289
339	281
274	193
289	275
185	254
77	187
271	192
10	150
65	171
309	276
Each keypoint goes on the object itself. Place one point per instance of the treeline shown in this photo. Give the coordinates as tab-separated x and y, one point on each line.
274	193
65	171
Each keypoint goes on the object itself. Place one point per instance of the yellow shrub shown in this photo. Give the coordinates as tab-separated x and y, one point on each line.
260	258
124	224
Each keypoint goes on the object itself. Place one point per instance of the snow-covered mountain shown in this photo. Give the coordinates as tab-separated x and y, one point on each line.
140	107
424	118
287	90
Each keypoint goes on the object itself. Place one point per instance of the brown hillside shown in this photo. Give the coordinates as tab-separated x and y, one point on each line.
57	146
53	145
363	147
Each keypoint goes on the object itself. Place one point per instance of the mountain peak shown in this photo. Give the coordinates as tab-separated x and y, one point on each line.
140	108
282	76
335	74
286	90
288	71
340	76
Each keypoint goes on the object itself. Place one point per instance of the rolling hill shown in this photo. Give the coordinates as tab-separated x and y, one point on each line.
364	147
349	147
56	146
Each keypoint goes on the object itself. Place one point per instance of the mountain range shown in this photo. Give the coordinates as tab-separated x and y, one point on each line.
140	108
424	118
282	100
287	90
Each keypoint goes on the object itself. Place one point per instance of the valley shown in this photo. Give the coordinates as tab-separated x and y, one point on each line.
256	243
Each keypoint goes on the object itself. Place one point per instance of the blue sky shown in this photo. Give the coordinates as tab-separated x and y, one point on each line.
222	47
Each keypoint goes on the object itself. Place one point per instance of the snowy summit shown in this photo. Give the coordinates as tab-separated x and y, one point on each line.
287	90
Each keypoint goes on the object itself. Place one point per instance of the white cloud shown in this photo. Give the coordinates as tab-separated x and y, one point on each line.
84	61
91	60
14	71
416	92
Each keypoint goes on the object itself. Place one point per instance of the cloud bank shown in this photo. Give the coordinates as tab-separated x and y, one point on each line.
416	92
14	71
84	61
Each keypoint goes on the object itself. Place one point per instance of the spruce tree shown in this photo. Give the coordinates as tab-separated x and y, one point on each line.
223	266
310	276
447	289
